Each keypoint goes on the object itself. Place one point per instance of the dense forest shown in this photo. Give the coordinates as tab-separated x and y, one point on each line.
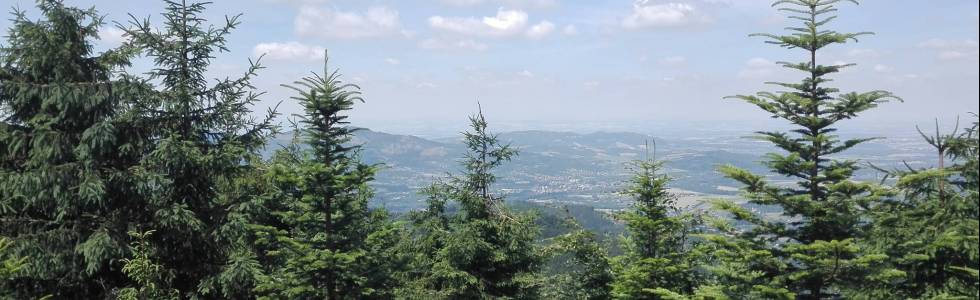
151	186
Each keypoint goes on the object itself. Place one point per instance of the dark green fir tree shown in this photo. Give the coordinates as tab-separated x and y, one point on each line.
206	143
65	152
325	241
468	244
655	258
826	210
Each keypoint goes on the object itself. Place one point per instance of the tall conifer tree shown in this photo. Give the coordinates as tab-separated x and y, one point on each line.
66	143
480	250
657	237
322	233
825	211
205	141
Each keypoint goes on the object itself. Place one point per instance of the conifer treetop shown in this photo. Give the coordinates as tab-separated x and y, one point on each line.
824	214
324	98
187	102
807	103
485	153
810	105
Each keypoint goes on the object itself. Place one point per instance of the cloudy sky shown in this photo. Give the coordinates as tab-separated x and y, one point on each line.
579	61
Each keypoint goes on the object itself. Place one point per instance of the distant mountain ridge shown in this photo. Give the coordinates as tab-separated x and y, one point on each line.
562	167
575	168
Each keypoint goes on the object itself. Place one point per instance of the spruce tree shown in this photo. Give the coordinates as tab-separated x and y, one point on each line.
206	142
930	231
324	239
825	212
657	239
478	248
67	141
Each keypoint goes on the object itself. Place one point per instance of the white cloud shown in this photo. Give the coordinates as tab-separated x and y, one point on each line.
510	3
505	23
334	24
569	30
466	44
393	61
647	14
111	36
540	30
288	51
880	68
506	20
525	74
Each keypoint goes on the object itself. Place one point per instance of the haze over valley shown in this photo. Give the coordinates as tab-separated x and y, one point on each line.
590	169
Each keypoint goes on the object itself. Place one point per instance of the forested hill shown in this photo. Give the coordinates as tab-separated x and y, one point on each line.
584	168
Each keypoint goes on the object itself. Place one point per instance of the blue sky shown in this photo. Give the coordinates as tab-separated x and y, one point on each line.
576	61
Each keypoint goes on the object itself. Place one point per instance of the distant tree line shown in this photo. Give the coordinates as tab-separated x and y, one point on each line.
150	186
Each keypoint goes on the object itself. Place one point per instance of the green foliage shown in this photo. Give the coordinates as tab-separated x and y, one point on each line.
9	265
66	143
323	240
931	232
657	239
652	229
737	268
152	279
485	153
483	250
826	210
205	140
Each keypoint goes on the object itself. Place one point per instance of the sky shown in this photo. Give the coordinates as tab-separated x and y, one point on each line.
535	63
